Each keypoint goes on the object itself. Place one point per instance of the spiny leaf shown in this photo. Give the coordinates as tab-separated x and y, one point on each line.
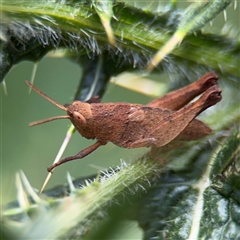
27	34
186	205
197	15
54	218
226	169
104	10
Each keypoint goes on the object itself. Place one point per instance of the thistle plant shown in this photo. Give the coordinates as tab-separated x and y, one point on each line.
196	194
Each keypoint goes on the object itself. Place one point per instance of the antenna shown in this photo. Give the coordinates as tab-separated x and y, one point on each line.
50	100
48	120
46	97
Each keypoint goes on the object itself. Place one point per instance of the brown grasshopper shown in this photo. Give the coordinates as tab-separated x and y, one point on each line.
134	125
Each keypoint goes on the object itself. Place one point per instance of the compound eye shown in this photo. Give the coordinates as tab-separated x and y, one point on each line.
79	117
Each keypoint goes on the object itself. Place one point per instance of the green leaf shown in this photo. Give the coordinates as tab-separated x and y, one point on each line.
226	171
197	16
191	203
33	28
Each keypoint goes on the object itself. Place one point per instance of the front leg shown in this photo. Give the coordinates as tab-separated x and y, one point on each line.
80	155
179	98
